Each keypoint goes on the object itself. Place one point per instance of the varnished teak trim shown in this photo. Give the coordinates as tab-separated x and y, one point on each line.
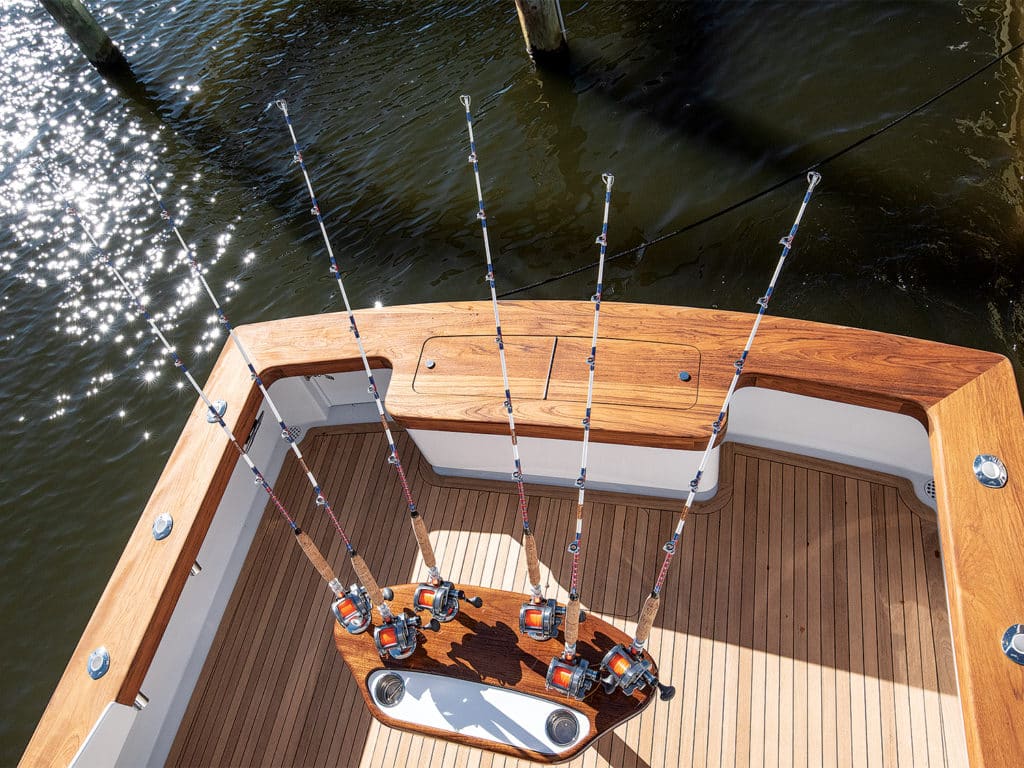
967	398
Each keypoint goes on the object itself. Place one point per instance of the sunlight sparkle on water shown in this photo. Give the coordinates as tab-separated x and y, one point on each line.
65	134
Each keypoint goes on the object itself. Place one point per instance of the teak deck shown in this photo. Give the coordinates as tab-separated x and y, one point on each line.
804	622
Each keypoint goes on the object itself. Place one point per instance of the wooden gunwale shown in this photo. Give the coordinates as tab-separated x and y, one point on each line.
967	399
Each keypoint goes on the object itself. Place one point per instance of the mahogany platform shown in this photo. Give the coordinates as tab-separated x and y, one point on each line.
483	645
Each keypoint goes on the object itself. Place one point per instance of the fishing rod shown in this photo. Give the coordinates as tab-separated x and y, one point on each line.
351	608
538	618
438	595
626	668
570	673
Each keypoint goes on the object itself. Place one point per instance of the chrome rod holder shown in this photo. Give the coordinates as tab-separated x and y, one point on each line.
990	471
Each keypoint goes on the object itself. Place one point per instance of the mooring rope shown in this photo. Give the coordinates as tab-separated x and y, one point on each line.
572	609
529	541
309	548
650	607
419	527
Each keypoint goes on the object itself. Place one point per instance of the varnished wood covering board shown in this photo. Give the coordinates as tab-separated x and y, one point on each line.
640	374
483	645
875	368
469	365
803	624
982	542
860	367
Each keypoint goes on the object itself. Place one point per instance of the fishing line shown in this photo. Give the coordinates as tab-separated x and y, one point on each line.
286	434
312	552
442	595
779	184
569	673
573	608
529	541
651	604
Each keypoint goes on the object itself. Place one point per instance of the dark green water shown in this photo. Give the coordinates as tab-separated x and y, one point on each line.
692	105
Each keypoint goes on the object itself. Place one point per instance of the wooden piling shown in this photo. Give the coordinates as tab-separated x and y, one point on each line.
87	34
542	28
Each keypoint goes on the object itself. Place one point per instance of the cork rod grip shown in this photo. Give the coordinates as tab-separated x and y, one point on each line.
318	560
572	622
532	559
366	579
647	615
420	529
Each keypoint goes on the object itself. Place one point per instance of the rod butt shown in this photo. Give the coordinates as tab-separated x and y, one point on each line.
367	580
315	557
419	528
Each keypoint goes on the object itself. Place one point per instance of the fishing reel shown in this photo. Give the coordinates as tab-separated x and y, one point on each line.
397	637
442	600
540	621
353	611
573	678
629	672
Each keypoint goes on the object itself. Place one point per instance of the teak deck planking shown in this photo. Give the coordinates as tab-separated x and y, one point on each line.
758	613
966	398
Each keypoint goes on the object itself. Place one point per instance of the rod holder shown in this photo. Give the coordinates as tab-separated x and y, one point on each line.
162	525
221	407
99	663
1013	643
990	471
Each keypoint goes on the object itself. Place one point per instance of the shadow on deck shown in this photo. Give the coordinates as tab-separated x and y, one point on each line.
804	621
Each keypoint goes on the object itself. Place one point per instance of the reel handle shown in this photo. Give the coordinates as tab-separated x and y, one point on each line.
666	691
433	625
476	602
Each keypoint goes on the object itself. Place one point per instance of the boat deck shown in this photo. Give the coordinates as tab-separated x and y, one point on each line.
804	621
